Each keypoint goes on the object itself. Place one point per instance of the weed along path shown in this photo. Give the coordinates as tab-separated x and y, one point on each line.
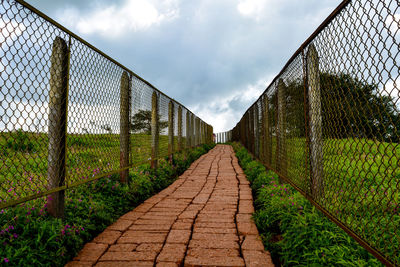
202	219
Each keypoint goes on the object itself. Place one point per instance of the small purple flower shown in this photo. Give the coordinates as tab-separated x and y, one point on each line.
6	260
15	235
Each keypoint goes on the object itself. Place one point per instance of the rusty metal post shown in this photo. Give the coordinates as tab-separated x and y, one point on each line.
251	113
267	133
315	123
58	104
187	129
124	127
262	125
192	131
154	130
197	142
256	131
281	153
180	140
170	130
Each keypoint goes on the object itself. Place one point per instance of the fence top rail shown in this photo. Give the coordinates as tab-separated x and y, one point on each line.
322	26
80	39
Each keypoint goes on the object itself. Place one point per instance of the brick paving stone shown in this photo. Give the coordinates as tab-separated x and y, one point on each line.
120	225
242	217
255	258
247	228
80	263
167	264
129	256
215	261
214	236
107	237
142	237
214	230
156	247
172	253
122	247
133	215
213	244
125	264
188	214
252	242
144	207
91	252
150	227
179	236
207	252
181	225
214	225
199	220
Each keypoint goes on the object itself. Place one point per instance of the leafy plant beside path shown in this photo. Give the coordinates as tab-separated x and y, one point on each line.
30	237
292	229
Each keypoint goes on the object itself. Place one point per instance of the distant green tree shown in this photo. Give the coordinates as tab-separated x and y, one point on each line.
141	122
350	108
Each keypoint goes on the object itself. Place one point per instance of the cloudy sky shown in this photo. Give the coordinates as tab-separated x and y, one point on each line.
213	56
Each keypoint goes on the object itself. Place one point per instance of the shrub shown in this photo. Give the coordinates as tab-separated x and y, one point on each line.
293	230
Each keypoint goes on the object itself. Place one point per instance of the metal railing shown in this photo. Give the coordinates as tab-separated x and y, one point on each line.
69	114
329	123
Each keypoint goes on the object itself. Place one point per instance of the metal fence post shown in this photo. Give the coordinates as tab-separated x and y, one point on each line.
180	140
256	131
124	127
262	130
187	130
170	130
154	130
281	151
315	123
197	131
192	132
252	129
58	104
267	133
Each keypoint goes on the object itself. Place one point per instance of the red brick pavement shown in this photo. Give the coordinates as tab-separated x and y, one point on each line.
202	219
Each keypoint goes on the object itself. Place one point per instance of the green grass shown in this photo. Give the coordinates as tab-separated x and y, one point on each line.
292	229
30	237
361	186
23	159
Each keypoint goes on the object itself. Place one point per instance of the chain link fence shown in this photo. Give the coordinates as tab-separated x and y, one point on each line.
69	114
329	123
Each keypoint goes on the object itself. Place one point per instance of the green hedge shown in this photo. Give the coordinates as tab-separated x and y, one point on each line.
293	230
30	237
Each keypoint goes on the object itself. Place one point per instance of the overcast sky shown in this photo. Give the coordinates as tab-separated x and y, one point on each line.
213	56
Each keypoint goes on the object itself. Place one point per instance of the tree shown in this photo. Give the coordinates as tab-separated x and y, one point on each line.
141	122
350	108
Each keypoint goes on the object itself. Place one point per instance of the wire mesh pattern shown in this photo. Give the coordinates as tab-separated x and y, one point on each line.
69	114
329	123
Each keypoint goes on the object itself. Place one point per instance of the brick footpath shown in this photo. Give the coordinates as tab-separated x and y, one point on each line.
202	219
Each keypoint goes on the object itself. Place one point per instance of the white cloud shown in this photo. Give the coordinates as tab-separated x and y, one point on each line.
113	21
9	31
393	24
392	88
221	115
252	8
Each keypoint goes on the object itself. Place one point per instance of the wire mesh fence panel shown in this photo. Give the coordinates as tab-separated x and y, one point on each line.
69	114
141	122
332	120
163	126
93	142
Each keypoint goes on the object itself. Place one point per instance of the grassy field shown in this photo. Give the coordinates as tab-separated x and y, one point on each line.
23	159
361	185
